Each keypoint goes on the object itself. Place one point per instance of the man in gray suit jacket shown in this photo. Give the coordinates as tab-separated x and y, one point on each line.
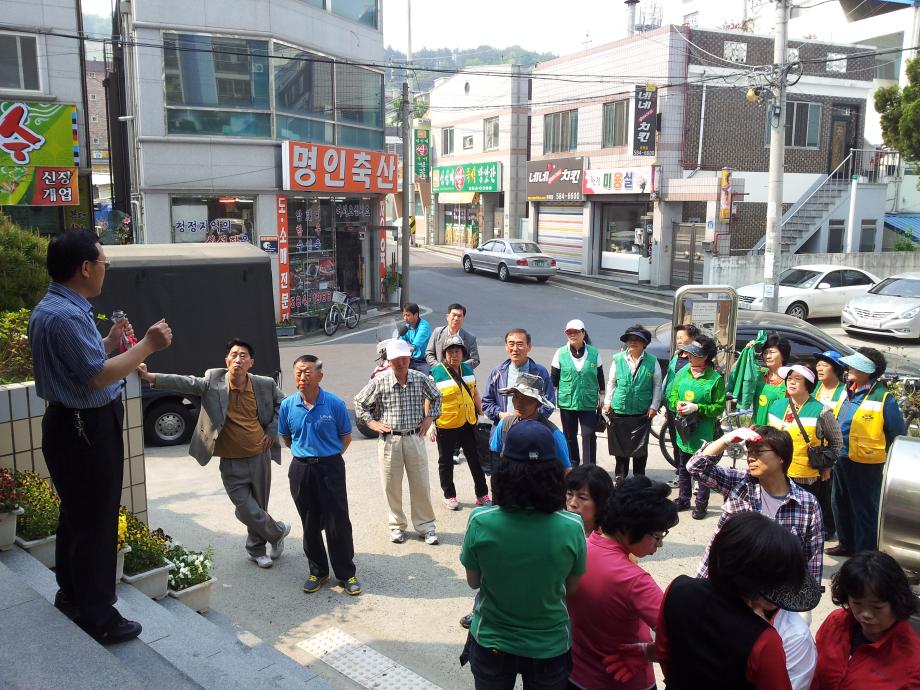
239	424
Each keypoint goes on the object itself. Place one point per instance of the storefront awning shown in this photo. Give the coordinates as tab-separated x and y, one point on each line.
457	197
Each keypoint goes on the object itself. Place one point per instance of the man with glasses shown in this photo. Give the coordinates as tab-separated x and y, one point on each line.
762	488
239	424
82	438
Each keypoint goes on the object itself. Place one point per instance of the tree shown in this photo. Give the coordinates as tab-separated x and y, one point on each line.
419	105
900	113
23	275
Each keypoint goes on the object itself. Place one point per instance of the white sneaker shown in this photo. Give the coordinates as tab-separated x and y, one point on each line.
262	561
275	550
397	536
431	537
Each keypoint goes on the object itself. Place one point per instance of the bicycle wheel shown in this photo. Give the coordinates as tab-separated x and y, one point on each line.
912	424
665	443
351	316
332	321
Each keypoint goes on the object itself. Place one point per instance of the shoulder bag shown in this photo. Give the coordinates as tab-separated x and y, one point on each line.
819	457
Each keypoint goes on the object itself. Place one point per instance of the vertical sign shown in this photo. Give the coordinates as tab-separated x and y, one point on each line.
422	154
284	290
725	195
382	249
646	112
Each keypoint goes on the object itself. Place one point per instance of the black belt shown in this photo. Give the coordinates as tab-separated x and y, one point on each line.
313	459
410	432
62	406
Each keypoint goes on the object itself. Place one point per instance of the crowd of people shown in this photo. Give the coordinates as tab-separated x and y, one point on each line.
554	545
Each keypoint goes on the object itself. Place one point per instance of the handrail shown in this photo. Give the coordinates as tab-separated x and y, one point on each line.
801	202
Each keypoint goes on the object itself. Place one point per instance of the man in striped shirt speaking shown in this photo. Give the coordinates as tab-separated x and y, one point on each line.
82	428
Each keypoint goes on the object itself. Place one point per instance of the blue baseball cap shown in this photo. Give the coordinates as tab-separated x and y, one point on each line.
529	441
831	356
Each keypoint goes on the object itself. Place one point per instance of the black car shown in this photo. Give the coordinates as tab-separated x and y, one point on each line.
804	339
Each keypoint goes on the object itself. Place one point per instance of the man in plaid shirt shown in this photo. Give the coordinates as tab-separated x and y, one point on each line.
762	488
406	403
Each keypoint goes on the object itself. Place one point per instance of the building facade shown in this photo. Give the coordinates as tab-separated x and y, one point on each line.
263	121
44	164
479	129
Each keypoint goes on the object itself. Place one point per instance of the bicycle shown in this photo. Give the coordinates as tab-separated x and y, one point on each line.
727	422
342	310
907	393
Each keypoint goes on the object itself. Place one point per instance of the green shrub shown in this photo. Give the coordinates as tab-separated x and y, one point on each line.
15	353
148	548
23	271
904	244
41	505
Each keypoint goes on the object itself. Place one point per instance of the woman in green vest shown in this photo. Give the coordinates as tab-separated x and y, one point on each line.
830	372
819	424
698	397
632	401
578	374
460	410
770	385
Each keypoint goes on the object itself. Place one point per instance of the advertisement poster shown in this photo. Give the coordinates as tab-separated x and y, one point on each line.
556	180
468	177
619	181
309	167
39	154
646	120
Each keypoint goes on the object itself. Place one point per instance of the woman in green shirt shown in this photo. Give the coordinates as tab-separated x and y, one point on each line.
770	385
698	397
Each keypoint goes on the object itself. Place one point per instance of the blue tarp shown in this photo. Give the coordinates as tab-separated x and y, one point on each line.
906	223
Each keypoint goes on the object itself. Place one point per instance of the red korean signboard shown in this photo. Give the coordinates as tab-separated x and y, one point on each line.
310	167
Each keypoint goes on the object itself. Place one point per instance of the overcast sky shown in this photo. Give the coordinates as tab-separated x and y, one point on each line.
539	25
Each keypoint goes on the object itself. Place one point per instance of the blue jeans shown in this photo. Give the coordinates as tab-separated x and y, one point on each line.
855	496
494	670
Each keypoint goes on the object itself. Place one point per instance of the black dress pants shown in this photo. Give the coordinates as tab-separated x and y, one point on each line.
318	490
465	437
87	474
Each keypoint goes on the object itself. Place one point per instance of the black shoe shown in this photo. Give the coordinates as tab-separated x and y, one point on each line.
121	630
838	550
466	621
699	512
66	605
681	505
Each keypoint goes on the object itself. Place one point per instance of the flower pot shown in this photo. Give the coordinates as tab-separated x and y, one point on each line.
41	549
154	583
285	331
120	563
8	528
196	597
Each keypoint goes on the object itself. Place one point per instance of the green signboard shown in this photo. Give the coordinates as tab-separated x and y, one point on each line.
467	177
39	154
422	154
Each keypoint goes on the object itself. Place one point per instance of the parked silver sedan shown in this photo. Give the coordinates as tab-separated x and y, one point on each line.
890	308
510	258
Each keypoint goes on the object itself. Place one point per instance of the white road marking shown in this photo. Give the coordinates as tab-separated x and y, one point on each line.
365	666
423	311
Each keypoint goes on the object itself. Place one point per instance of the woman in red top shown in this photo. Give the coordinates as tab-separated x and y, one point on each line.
869	644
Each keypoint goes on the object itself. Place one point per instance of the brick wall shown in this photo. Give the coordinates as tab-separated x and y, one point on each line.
95	73
734	133
695	210
749	224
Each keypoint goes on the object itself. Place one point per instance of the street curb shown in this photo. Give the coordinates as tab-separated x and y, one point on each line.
320	337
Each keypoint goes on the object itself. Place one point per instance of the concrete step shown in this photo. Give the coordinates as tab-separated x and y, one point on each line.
42	648
635	294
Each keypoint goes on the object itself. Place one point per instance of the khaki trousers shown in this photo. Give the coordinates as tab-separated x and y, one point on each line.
394	454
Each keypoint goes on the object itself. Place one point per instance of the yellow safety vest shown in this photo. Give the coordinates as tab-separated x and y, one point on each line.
867	428
808	415
457	406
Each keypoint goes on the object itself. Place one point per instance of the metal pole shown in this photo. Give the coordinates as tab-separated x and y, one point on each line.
851	221
773	242
407	190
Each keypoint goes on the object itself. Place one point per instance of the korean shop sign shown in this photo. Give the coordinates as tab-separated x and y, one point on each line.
319	168
39	154
556	180
645	120
619	181
422	154
467	177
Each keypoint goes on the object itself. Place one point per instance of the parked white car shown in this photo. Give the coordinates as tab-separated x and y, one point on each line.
890	308
811	290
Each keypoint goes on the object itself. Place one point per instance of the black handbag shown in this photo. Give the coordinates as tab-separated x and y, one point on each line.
686	423
819	457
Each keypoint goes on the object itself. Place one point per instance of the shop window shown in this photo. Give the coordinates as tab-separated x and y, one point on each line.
490	133
447	141
616	123
560	131
361	11
19	62
358	96
619	226
302	129
303	83
803	125
216	72
213	219
361	138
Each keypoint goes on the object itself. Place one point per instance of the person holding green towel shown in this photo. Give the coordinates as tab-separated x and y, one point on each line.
770	385
698	397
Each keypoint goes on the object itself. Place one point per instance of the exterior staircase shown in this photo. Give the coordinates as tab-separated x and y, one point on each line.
178	649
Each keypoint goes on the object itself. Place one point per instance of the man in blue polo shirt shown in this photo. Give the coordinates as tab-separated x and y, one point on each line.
316	426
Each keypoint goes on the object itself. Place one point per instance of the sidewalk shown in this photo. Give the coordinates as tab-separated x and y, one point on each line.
656	298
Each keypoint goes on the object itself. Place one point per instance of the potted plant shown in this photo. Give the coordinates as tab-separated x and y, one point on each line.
9	509
146	566
392	281
191	581
285	328
122	547
36	527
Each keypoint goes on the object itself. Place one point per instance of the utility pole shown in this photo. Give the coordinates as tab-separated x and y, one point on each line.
407	158
773	246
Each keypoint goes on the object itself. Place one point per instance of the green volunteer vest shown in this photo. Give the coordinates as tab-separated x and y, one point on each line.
699	391
765	394
577	389
633	395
